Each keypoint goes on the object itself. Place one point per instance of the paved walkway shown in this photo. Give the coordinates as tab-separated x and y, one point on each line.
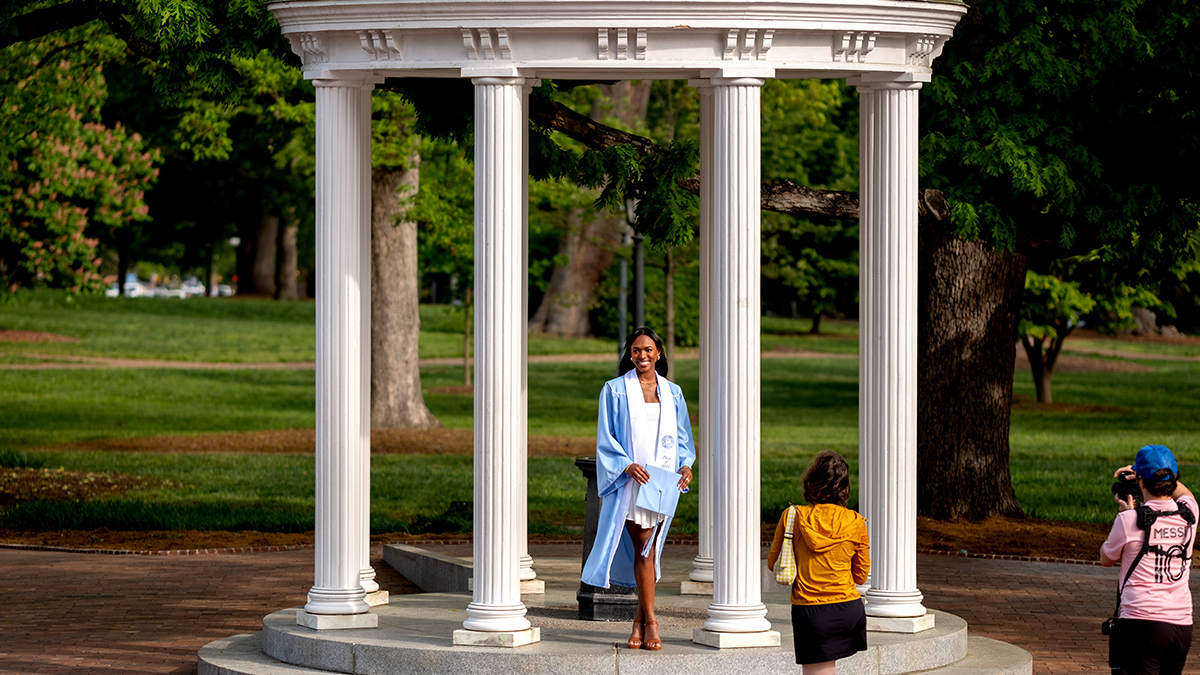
82	613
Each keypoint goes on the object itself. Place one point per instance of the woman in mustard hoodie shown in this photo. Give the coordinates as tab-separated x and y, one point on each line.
832	555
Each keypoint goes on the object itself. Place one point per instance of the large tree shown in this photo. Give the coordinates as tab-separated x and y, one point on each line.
1041	123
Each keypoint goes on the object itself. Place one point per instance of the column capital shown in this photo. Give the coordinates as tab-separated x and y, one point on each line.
352	80
888	80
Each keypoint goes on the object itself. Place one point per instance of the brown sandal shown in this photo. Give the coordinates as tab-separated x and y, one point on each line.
635	642
652	644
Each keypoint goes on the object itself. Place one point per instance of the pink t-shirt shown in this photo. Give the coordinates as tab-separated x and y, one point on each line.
1158	589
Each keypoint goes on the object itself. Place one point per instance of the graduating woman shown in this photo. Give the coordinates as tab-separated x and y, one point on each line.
643	422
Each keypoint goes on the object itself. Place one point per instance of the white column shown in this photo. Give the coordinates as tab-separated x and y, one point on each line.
526	574
866	473
702	565
336	599
888	350
737	607
500	179
366	572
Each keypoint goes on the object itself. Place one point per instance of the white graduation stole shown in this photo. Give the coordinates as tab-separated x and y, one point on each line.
645	449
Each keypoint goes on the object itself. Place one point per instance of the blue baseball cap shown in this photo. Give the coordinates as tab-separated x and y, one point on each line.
1152	458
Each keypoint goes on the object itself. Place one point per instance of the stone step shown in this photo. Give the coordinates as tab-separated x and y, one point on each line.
986	656
243	655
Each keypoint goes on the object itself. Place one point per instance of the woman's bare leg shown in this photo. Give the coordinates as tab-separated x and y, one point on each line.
643	574
826	668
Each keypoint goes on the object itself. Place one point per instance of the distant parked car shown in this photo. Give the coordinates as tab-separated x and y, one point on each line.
192	288
133	289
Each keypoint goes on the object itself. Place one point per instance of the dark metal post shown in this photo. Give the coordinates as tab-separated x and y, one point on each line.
615	603
639	267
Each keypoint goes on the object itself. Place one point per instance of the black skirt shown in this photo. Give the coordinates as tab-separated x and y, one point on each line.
829	632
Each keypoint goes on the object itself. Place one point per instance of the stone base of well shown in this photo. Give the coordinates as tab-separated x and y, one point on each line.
506	639
336	621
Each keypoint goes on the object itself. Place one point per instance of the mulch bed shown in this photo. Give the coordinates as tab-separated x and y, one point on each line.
33	336
303	441
25	485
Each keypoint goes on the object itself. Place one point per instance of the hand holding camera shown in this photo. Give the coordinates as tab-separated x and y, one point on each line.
1126	491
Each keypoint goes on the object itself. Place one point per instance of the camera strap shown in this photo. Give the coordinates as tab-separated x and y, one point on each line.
1141	554
1146	517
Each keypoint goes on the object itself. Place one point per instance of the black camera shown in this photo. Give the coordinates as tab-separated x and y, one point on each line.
1126	486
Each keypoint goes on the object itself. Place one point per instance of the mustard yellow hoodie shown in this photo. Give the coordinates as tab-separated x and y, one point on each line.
832	553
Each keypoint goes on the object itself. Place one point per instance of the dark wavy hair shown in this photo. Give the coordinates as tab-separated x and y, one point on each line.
626	363
1163	484
827	479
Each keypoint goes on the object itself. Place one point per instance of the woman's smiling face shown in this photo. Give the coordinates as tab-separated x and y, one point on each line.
644	353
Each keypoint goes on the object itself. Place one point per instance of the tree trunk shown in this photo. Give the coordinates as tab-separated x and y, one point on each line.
591	240
969	300
590	244
816	327
210	271
122	269
264	255
669	329
288	261
1037	367
396	398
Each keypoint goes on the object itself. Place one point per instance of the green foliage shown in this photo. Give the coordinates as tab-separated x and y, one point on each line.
810	136
1052	307
1044	123
66	178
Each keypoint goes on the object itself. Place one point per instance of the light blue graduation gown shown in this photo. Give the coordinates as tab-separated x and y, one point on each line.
614	452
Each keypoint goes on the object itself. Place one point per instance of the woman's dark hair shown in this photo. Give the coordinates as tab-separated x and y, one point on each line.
1163	484
827	479
626	363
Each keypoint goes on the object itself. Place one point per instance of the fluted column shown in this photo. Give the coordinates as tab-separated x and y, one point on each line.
888	345
343	137
737	606
702	565
866	472
366	572
500	121
526	572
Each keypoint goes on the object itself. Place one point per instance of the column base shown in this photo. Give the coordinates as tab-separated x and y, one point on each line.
505	639
909	624
703	636
533	587
377	598
336	621
690	587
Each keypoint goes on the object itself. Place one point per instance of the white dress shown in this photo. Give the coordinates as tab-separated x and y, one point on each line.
644	517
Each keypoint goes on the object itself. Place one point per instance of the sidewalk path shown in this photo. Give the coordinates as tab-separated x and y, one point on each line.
72	613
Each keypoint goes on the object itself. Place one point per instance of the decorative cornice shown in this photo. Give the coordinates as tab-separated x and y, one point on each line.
380	45
310	47
487	44
747	44
853	47
612	44
922	49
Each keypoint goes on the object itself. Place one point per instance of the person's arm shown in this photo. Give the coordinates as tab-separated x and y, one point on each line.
685	450
613	461
1181	491
860	564
1110	550
777	543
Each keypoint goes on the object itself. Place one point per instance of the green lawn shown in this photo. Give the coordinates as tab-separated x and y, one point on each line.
1168	348
229	330
1061	461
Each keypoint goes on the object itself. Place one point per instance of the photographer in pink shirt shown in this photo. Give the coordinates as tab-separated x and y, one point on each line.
1153	544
